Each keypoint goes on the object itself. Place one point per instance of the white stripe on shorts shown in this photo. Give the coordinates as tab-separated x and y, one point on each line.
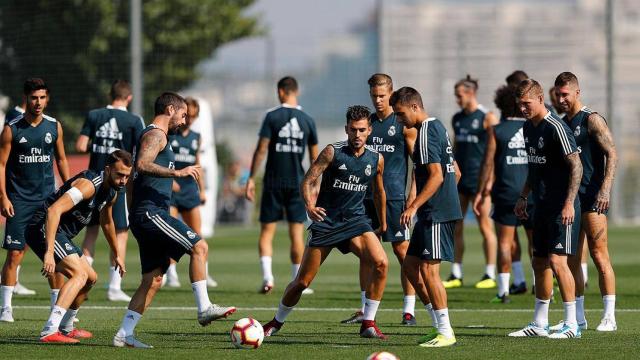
179	237
168	231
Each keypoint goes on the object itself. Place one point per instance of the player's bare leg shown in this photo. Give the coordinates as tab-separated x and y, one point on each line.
265	250
115	292
193	218
411	268
575	262
506	246
430	271
296	236
89	243
489	245
519	283
9	281
543	285
455	279
364	273
409	300
560	266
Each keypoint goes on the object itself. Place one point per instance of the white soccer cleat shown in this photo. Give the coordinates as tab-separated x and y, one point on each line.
211	282
531	330
567	332
560	325
6	314
117	295
130	342
20	289
607	324
214	312
308	291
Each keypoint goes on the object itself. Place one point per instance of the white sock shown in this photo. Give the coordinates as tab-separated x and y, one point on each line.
53	297
265	263
206	269
444	326
363	300
294	270
52	325
283	312
490	269
89	259
370	309
66	324
7	295
541	313
115	280
518	272
456	270
503	283
609	307
432	313
18	274
580	310
533	278
172	272
201	295
129	322
409	304
570	313
585	272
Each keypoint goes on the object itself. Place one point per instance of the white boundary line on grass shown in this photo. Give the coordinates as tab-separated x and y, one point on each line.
193	308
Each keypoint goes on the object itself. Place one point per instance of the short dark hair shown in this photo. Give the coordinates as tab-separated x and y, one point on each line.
358	112
468	83
288	84
516	78
380	79
120	90
166	99
120	155
529	87
566	78
34	84
505	100
406	96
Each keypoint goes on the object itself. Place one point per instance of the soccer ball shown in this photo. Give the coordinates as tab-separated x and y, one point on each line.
382	355
247	333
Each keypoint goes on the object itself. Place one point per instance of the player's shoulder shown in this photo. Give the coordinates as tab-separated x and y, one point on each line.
15	121
339	144
433	124
482	109
556	124
587	110
50	119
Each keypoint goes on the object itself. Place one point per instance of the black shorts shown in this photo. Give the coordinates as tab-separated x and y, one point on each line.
504	215
432	241
588	201
468	188
62	247
276	202
550	236
395	232
119	213
160	238
337	234
14	229
186	199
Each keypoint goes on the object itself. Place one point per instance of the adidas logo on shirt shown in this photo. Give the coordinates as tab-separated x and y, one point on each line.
22	140
517	141
399	233
109	130
343	167
559	246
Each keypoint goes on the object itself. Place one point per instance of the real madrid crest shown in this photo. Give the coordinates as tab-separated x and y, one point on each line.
48	138
194	144
392	130
475	123
576	132
540	143
174	143
367	170
191	234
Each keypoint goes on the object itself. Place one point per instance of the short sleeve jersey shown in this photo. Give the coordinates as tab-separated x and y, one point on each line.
346	181
387	138
511	164
29	172
547	146
110	129
471	143
185	148
434	147
289	131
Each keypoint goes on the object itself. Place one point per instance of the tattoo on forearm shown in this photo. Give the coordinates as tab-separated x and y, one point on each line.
575	168
600	132
152	143
315	171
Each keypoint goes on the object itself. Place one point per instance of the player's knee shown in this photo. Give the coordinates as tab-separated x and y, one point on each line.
559	263
14	257
299	284
92	278
539	264
155	282
200	249
601	260
380	265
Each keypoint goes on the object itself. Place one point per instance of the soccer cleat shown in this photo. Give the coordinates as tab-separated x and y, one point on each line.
607	324
356	318
370	330
211	282
531	330
6	314
58	338
432	334
214	312
308	291
77	334
130	342
518	289
452	282
20	289
272	327
408	319
266	288
117	295
439	341
504	299
567	332
486	283
560	325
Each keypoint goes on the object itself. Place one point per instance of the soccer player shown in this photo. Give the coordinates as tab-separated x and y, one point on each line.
470	126
28	145
108	129
348	169
437	206
161	237
391	139
553	179
285	133
599	159
56	222
502	176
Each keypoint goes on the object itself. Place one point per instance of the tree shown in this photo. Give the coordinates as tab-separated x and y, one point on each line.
80	46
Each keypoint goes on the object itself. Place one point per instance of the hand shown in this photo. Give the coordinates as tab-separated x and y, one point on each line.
49	264
250	190
477	203
381	230
194	171
407	216
175	187
203	198
119	264
568	214
521	209
602	201
316	213
7	207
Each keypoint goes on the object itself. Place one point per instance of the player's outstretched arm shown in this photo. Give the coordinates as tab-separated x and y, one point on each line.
600	132
109	230
310	180
258	156
486	171
380	197
435	180
152	142
575	177
61	155
5	150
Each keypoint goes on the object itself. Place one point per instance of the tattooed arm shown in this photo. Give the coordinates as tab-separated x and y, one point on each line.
575	177
310	180
151	144
600	133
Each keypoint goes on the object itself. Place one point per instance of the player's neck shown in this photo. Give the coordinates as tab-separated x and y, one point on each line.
575	109
291	101
185	132
161	122
385	113
357	152
471	107
118	103
34	120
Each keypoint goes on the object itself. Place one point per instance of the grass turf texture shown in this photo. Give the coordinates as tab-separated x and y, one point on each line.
313	331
